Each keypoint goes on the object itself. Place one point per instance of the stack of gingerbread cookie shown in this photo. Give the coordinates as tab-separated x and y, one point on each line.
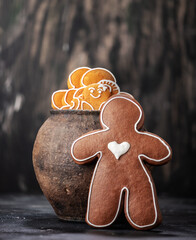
122	149
88	90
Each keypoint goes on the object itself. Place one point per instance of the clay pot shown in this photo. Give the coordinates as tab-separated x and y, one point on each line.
64	183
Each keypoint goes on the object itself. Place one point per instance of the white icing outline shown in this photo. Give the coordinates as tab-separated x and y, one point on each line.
105	83
104	86
73	105
69	78
101	104
91	88
99	68
74	97
68	105
112	147
116	87
82	103
101	85
99	153
127	94
113	85
52	98
94	96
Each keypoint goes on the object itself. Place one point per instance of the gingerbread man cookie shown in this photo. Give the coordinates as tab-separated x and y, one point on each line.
93	96
121	176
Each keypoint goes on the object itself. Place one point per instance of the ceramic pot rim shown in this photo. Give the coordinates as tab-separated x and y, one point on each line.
73	111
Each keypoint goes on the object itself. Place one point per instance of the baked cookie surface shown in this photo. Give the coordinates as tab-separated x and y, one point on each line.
121	177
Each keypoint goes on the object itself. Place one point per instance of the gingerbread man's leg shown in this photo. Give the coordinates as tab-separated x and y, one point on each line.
141	206
102	192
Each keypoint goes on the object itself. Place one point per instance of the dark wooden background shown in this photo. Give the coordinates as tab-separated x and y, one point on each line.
150	46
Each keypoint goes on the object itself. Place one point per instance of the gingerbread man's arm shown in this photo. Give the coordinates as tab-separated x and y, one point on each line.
85	149
154	150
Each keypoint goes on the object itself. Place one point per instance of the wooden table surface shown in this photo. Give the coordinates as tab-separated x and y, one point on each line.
31	217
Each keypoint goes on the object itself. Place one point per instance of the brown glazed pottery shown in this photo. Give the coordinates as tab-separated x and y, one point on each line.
64	183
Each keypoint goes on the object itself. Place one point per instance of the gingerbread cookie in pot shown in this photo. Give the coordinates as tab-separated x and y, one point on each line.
121	176
93	96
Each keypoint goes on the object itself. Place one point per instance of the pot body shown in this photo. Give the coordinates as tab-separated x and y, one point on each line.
64	183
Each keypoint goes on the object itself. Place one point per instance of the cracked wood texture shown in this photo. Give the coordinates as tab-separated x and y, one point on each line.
148	45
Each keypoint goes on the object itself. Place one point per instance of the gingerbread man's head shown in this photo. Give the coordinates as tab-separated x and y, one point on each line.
122	110
97	93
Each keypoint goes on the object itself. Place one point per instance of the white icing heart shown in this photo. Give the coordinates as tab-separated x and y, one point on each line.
118	149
